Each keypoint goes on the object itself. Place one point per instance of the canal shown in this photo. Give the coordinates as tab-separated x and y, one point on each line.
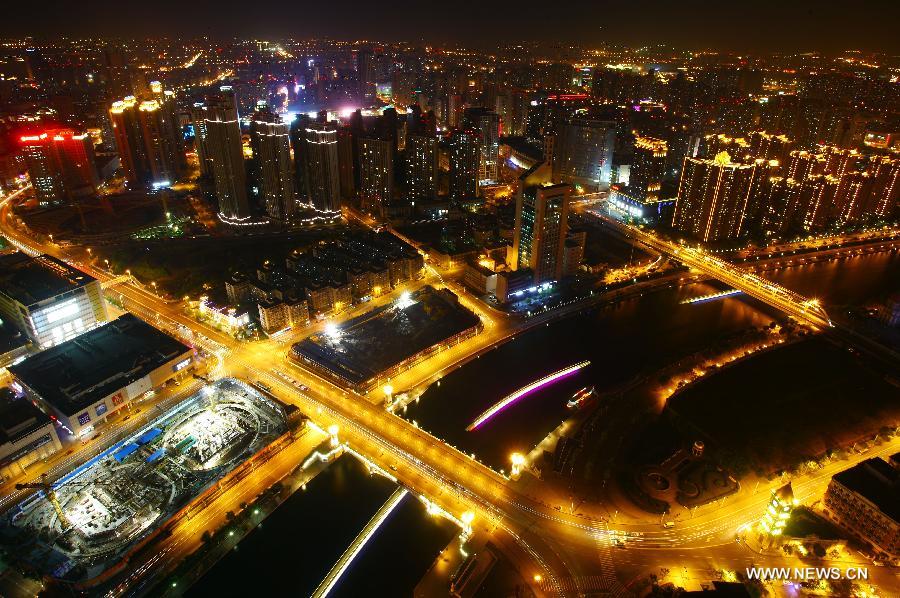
296	546
622	341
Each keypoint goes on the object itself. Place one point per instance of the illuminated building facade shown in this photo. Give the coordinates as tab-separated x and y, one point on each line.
865	500
541	226
225	153
712	198
47	299
647	168
148	138
61	165
422	161
376	173
583	152
322	169
275	170
778	511
465	160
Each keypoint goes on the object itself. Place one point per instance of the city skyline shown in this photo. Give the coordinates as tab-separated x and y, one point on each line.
292	315
768	27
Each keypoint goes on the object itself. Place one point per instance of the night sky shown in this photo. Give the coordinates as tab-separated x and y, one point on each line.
754	26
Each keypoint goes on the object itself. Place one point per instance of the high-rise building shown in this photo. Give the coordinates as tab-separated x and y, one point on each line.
584	152
512	106
365	73
201	139
148	138
276	176
712	198
465	159
541	226
422	164
346	165
60	164
322	168
376	172
226	154
768	146
487	123
647	168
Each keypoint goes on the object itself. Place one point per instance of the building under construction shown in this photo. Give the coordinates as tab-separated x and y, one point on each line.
83	523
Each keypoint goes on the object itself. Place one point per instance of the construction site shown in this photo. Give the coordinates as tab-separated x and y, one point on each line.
85	522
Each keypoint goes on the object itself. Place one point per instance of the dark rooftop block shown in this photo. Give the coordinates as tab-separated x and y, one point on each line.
79	372
378	340
878	482
32	280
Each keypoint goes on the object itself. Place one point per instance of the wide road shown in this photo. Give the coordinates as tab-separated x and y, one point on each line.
563	548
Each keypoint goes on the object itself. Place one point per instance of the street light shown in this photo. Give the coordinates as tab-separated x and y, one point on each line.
518	462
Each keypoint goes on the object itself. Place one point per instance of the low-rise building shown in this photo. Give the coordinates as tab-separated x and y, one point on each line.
27	434
273	315
47	299
83	380
865	501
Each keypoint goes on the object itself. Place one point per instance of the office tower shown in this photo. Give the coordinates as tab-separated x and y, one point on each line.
346	166
767	146
465	159
60	164
712	198
322	168
541	226
647	168
584	151
148	138
275	173
226	154
422	164
376	173
487	123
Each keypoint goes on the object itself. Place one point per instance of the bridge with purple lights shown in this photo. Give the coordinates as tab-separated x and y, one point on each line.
512	398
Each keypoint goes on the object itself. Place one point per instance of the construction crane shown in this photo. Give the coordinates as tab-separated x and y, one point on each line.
50	493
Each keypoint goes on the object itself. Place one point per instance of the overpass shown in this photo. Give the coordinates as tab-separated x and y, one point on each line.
802	308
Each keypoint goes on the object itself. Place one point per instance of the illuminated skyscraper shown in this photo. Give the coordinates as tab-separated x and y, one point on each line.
712	198
60	164
226	154
322	168
148	139
376	172
541	226
584	151
647	168
487	123
465	159
422	164
275	172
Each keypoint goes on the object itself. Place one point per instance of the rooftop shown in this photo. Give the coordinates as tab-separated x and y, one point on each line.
19	418
876	481
32	280
378	340
79	372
